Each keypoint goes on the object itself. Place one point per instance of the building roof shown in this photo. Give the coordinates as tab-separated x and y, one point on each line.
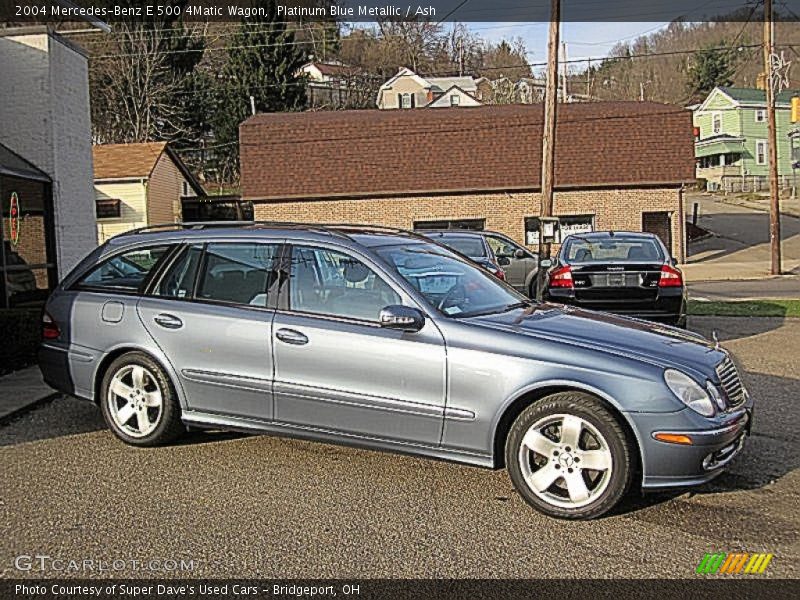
443	83
375	152
13	165
126	161
136	161
756	96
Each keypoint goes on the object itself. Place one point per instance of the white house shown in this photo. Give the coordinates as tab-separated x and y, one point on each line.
137	185
409	90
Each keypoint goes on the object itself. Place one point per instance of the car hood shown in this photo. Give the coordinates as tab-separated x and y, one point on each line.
632	338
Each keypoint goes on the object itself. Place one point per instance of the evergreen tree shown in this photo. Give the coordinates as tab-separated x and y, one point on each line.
710	68
263	63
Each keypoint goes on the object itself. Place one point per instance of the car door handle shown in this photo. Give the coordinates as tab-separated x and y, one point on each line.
290	336
168	321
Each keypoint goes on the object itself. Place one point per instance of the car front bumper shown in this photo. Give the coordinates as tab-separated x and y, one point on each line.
712	448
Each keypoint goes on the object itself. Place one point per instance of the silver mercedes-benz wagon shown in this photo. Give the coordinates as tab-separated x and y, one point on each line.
382	338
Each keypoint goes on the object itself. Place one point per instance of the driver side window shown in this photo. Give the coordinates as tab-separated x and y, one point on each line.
327	282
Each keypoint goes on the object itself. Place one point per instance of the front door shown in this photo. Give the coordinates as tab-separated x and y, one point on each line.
209	315
337	369
517	269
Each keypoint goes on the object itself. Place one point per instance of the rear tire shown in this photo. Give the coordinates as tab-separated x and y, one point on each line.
139	403
569	457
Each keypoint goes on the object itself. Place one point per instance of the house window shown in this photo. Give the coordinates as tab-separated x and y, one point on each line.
185	188
761	115
471	224
761	152
454	100
567	225
406	100
108	208
716	123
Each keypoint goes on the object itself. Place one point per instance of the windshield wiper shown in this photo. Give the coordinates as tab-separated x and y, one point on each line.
493	311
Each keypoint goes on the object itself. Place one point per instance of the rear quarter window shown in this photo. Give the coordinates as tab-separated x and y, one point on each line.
125	272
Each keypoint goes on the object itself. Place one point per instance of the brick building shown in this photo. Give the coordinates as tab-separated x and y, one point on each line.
619	165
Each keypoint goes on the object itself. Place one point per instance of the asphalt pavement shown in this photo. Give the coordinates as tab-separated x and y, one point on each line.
259	506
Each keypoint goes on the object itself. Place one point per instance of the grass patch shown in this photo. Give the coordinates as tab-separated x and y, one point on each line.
746	308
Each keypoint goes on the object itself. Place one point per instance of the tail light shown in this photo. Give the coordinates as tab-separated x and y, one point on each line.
670	277
50	330
496	271
561	278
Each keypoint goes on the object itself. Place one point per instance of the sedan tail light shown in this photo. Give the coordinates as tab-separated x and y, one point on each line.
670	277
496	271
50	330
561	278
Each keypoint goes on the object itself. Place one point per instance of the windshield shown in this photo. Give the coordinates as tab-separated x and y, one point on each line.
581	250
468	246
454	286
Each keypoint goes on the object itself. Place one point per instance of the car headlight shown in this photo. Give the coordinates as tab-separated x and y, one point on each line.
688	391
715	395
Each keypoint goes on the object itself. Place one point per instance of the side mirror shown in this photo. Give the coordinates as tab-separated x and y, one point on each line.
405	318
519	253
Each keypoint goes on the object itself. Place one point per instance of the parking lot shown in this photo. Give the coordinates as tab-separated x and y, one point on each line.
258	506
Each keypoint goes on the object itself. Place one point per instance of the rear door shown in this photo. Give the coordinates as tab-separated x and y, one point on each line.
211	316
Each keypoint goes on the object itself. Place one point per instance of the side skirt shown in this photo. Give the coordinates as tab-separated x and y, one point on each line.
206	420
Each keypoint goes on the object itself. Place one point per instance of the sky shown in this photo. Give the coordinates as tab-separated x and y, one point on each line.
584	40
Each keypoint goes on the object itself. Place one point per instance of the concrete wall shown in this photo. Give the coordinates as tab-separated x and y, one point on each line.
618	209
45	118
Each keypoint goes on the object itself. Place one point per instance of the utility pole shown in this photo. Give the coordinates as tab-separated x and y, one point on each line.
772	143
564	72
549	138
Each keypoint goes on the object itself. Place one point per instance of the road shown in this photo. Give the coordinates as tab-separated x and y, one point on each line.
787	287
739	248
258	506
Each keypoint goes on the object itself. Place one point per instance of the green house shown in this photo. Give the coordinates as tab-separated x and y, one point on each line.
731	149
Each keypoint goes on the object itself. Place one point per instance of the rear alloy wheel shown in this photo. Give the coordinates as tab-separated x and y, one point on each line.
569	457
138	401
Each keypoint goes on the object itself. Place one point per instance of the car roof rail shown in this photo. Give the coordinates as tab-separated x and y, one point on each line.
330	228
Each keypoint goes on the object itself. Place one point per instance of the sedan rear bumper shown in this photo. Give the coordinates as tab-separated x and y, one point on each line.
670	305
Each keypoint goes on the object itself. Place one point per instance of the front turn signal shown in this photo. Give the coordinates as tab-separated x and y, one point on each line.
674	438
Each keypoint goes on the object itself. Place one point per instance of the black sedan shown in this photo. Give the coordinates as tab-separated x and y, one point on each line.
627	273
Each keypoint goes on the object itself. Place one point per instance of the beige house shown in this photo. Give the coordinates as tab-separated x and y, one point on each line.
138	185
409	90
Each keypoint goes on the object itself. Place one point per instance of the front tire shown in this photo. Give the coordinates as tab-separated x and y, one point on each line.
138	401
569	457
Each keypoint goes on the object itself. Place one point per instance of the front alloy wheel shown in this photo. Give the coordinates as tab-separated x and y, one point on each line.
569	457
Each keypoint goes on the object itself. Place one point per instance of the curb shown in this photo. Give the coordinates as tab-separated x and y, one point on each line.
22	410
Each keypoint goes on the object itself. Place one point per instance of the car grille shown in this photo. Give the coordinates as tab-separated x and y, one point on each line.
731	382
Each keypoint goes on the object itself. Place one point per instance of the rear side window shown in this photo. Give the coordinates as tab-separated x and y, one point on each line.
178	281
468	246
124	272
238	273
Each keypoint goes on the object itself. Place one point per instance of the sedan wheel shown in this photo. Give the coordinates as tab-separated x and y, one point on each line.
569	457
138	401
